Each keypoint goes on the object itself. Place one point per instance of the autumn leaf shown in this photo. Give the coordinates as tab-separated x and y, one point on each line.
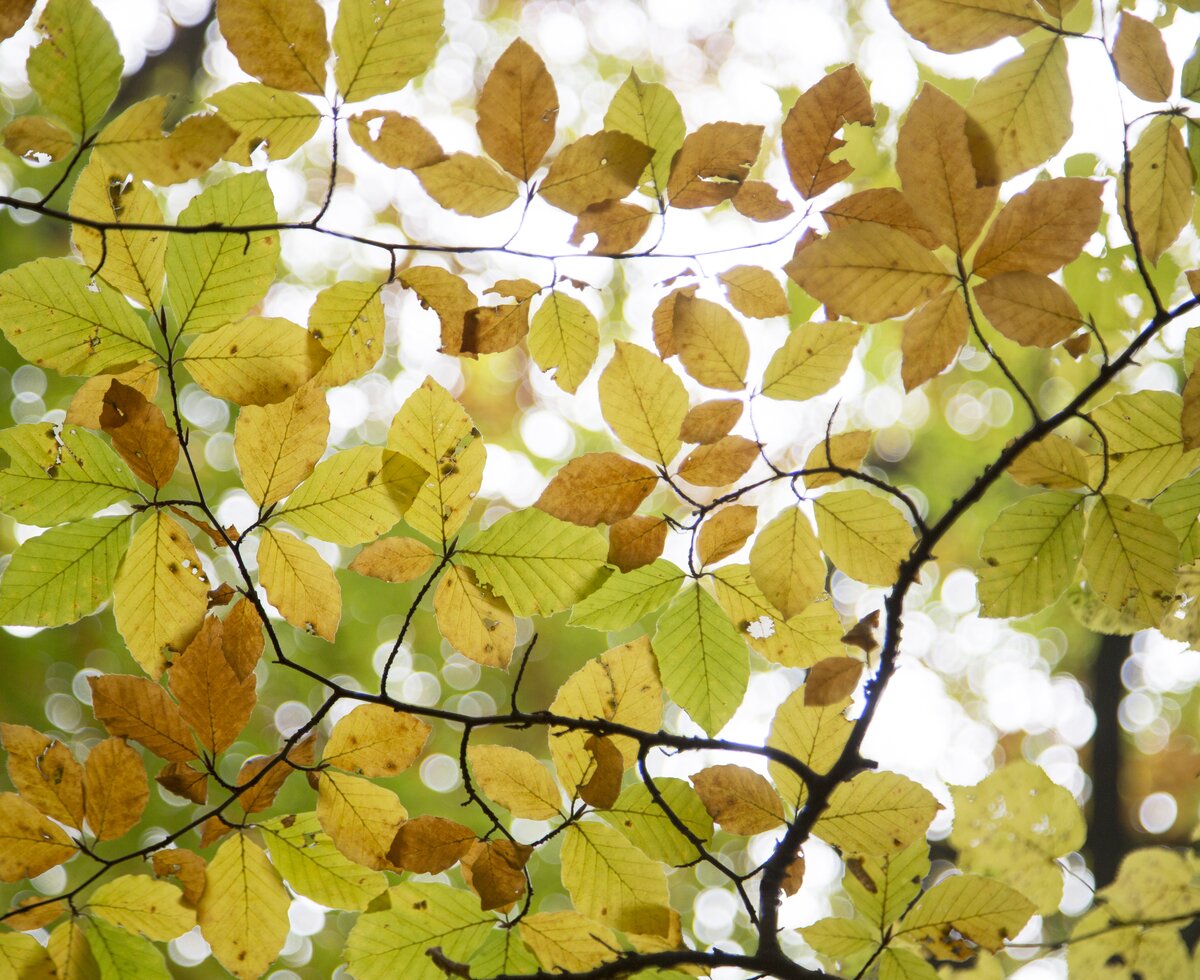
810	130
518	108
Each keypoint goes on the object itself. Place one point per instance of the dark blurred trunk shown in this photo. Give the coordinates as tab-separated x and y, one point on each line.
1108	840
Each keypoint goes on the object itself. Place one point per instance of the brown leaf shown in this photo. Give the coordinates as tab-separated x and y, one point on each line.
139	433
636	541
597	488
846	449
830	680
664	320
430	845
720	463
88	401
932	338
862	633
283	43
492	329
447	295
212	699
397	141
262	794
603	783
518	107
13	14
755	292
394	559
33	843
1189	418
182	780
212	830
242	638
36	918
739	799
1140	55
1041	229
136	708
44	772
222	595
617	225
811	127
468	185
880	206
709	421
375	741
950	26
725	532
494	871
1028	308
793	877
759	201
186	867
712	163
601	167
1078	345
933	160
115	788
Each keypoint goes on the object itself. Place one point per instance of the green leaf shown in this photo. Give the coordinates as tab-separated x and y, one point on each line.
57	316
381	45
1030	554
282	122
1129	556
49	476
639	817
504	952
64	574
564	337
392	943
903	964
876	813
814	734
76	68
882	886
1189	86
864	535
650	113
347	319
644	402
1144	444
214	278
702	659
1179	507
260	360
611	880
537	562
811	361
354	496
120	954
849	941
623	599
306	856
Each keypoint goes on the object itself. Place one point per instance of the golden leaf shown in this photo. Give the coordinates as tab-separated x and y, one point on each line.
115	788
709	421
429	845
1140	55
600	167
397	141
725	532
375	741
720	463
636	541
1041	229
283	43
474	620
810	130
712	163
136	708
517	107
1028	308
739	799
882	206
597	488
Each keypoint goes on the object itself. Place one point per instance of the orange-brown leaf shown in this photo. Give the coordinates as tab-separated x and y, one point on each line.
283	43
720	463
182	780
811	127
44	772
186	867
447	295
759	201
115	788
830	680
932	338
493	870
617	225
430	845
1041	229
636	541
709	421
518	107
597	488
603	783
136	708
212	699
1030	309
397	141
712	163
492	329
663	320
375	741
739	799
242	638
725	532
753	291
881	206
139	433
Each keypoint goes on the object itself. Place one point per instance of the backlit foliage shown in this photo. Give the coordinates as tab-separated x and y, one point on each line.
966	242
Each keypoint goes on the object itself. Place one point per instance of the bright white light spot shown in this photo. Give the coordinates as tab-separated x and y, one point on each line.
440	773
290	716
1158	812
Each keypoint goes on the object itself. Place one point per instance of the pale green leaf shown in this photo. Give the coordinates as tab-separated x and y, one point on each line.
984	910
876	813
903	964
638	816
347	319
786	563
849	941
1129	557
564	337
143	904
76	68
120	954
504	952
882	886
313	866
1153	954
650	113
381	45
279	121
611	880
1144	443
623	599
864	535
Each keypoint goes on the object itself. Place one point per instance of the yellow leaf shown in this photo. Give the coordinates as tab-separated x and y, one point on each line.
517	107
1032	310
1161	175
815	735
243	912
381	45
115	788
710	421
883	886
811	361
1144	444
753	291
29	842
963	25
434	430
564	337
161	593
265	117
712	163
516	780
1041	229
375	741
134	143
719	463
786	562
347	320
213	699
639	817
882	206
725	532
1023	110
611	880
306	856
1142	60
567	940
932	338
280	42
257	361
876	813
600	167
23	957
650	113
477	623
278	445
1053	462
1129	556
75	68
846	449
136	708
299	583
1152	883
33	138
394	559
810	130
864	535
362	817
868	272
446	294
68	947
44	772
597	488
139	903
1096	947
468	184
739	799
398	141
643	401
133	260
622	686
710	342
985	911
